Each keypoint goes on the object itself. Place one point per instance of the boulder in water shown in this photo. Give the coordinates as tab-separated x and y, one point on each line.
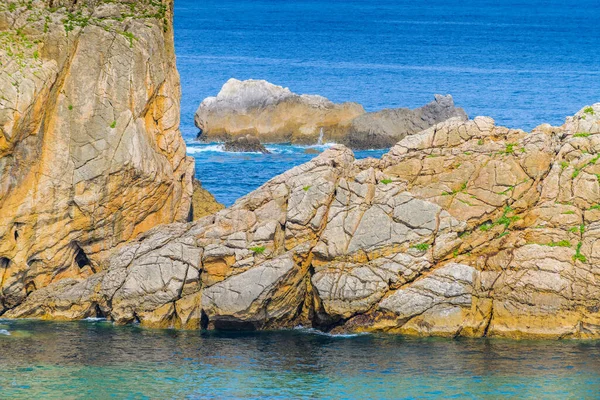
312	150
245	144
276	115
272	113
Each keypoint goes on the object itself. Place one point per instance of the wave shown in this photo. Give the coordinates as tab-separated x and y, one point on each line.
215	148
194	147
4	332
94	319
313	331
218	148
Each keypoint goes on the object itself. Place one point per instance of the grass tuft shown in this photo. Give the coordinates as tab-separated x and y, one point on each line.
258	249
421	246
578	256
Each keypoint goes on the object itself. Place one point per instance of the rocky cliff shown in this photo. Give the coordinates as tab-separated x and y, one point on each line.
90	149
274	114
465	229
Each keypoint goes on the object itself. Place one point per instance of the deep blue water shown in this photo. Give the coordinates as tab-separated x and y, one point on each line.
521	62
229	176
53	360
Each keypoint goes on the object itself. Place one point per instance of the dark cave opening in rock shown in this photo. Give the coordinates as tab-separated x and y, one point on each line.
81	258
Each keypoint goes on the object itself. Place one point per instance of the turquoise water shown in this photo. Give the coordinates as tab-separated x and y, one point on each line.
98	360
521	62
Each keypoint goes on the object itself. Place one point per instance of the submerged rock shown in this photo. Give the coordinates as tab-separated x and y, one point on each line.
276	115
245	144
90	149
311	150
464	229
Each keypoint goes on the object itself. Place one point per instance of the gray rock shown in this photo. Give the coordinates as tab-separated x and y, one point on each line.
245	144
387	127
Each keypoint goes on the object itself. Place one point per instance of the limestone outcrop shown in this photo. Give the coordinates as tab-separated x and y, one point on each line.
276	115
90	149
465	229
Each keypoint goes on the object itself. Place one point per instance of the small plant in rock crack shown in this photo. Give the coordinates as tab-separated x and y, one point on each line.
421	246
510	148
113	125
258	249
486	227
589	110
505	219
386	181
582	134
578	256
562	243
306	188
578	229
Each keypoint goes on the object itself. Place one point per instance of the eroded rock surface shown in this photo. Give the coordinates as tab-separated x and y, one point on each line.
274	114
464	229
90	149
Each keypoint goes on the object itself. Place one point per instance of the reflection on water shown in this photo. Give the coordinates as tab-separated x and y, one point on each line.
97	359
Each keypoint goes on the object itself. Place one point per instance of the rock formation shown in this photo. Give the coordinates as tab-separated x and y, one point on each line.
385	128
464	229
90	149
203	202
245	144
277	115
273	113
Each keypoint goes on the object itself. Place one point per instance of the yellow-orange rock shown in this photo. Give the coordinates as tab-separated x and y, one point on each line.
90	149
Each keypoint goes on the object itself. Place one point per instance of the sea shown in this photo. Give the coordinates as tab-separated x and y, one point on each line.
95	359
521	62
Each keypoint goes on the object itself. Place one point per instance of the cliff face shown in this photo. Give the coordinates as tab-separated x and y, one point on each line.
274	114
465	229
90	149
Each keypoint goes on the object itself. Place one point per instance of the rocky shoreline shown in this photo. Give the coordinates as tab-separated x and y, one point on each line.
463	228
276	115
